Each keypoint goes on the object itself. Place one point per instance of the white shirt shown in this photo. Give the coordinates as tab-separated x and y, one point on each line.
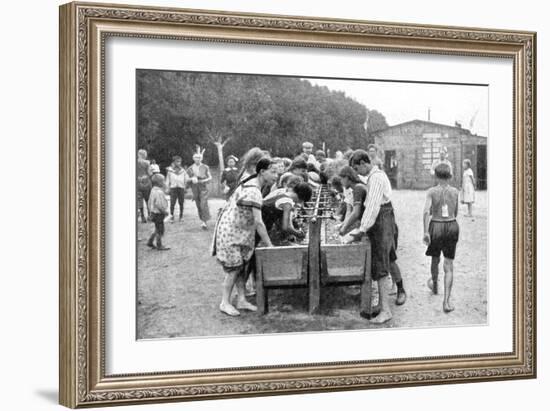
378	193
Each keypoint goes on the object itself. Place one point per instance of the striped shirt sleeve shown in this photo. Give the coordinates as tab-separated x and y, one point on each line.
375	193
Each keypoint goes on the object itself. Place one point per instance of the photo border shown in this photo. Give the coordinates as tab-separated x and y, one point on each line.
84	27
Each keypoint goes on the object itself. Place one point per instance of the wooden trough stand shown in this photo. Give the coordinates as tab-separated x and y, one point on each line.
314	266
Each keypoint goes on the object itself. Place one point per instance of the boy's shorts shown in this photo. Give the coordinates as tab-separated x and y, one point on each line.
158	219
443	238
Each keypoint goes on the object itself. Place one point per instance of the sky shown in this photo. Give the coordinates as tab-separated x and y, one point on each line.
401	102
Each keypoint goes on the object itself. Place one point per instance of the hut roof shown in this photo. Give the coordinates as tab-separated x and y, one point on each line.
431	123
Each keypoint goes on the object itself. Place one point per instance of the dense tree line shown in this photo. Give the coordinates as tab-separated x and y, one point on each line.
179	110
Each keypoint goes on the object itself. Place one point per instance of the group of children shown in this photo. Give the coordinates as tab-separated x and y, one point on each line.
153	186
264	192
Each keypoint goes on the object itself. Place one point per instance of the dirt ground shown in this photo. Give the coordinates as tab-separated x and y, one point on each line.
179	290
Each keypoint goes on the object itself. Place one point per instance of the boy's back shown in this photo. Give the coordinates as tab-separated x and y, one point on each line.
444	203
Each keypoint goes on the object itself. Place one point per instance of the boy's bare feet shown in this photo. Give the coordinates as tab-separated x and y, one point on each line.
150	244
381	318
229	310
245	305
448	307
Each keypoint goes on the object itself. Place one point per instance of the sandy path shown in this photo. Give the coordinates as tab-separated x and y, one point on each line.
178	290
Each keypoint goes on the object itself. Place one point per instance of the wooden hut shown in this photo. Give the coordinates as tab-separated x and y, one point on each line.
409	150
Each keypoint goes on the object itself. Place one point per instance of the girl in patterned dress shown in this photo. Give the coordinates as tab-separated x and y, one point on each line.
468	186
234	236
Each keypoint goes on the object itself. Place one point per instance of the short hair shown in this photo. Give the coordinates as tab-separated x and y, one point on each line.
350	173
307	144
312	167
263	164
142	153
251	158
157	180
358	156
231	157
291	180
336	183
468	162
176	158
320	153
303	191
443	171
298	163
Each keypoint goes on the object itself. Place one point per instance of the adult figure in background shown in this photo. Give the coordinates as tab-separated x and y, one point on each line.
307	151
441	160
199	175
230	176
378	222
468	186
374	155
234	236
176	181
144	185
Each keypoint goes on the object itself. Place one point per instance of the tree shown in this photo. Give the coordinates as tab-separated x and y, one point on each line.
229	113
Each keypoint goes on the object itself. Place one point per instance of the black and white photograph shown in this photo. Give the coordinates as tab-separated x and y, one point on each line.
276	204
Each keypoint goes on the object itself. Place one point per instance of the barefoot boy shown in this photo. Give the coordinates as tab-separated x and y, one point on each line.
158	205
441	230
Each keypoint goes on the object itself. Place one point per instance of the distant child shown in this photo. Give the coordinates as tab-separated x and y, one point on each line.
441	230
154	168
176	180
468	186
143	182
230	176
158	206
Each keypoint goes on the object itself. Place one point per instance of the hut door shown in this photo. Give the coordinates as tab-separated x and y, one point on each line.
391	167
481	175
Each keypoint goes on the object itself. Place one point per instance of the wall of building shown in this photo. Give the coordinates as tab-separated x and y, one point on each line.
417	146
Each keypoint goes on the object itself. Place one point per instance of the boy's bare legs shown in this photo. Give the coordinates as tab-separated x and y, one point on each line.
159	243
242	303
384	289
227	287
151	243
432	283
470	210
448	268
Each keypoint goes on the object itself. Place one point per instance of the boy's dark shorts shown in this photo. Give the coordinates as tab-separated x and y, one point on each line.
158	219
443	238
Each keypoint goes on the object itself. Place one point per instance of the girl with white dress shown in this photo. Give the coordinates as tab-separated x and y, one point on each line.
468	186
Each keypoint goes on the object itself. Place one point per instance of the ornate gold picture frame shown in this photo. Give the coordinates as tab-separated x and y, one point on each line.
84	29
